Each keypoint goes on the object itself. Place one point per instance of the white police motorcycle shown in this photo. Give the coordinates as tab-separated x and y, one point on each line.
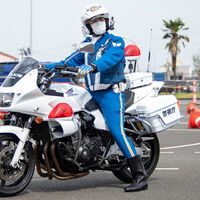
59	128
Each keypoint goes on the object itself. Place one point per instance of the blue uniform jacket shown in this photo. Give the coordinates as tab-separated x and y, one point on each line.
109	57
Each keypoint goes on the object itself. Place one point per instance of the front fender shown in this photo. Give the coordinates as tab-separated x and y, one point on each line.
19	132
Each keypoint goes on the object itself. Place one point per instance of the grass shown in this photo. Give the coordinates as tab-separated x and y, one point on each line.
182	95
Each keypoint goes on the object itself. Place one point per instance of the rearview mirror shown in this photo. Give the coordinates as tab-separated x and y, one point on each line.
86	47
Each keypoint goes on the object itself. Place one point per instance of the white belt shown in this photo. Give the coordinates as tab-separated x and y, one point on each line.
99	87
119	87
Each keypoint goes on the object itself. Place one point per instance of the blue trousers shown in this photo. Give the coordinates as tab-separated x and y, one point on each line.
112	108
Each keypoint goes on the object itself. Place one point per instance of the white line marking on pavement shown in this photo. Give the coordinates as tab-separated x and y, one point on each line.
167	152
197	152
166	169
183	129
180	146
186	102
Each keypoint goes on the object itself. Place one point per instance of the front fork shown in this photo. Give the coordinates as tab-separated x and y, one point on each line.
22	142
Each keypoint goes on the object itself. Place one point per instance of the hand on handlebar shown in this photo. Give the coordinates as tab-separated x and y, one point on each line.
85	69
43	67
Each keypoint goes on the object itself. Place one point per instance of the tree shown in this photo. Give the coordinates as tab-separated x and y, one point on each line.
172	29
196	63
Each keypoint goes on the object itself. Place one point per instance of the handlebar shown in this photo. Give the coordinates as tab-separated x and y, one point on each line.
67	71
46	75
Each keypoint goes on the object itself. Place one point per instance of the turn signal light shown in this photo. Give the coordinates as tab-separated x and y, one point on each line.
38	120
61	110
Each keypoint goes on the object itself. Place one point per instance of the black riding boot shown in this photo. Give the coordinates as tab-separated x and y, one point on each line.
138	173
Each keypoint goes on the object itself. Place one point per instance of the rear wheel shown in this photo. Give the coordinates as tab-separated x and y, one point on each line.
150	151
14	180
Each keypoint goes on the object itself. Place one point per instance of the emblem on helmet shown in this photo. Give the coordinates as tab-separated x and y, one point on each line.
94	8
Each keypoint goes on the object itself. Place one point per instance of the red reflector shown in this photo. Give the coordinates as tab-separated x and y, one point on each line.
3	112
61	110
2	115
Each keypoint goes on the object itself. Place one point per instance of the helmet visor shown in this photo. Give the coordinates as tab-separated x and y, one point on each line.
106	16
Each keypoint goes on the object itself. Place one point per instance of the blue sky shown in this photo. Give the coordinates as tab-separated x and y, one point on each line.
57	25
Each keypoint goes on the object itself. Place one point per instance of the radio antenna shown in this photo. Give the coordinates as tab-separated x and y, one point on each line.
149	55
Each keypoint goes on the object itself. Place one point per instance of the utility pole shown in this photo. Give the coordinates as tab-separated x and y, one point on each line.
149	56
31	5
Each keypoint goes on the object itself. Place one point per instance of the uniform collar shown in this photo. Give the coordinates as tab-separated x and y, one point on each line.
101	41
89	38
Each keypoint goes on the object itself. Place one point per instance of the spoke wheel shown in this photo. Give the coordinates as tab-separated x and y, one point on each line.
150	151
14	179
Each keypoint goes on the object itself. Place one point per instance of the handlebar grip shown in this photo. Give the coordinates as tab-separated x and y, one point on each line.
60	67
72	69
66	68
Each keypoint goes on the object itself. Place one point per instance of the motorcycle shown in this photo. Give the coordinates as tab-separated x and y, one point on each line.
59	128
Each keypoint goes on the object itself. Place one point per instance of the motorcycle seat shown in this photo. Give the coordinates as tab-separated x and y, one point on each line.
91	105
129	98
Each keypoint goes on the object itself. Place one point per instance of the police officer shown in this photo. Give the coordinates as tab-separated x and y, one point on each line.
104	78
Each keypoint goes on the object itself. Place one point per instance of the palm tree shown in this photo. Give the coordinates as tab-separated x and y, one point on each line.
172	29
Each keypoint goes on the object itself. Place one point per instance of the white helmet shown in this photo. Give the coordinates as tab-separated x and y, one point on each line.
92	12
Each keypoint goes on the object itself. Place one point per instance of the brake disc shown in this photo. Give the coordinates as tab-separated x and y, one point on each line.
8	173
146	151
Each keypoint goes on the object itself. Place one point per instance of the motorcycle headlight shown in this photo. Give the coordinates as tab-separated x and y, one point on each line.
6	99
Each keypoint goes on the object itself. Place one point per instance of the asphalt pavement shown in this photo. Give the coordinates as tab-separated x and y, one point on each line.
177	176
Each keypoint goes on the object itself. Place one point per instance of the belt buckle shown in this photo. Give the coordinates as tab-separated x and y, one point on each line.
122	86
115	88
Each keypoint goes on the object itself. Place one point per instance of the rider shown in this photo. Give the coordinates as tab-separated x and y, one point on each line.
104	78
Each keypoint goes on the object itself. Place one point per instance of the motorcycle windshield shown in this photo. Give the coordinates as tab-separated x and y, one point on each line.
21	69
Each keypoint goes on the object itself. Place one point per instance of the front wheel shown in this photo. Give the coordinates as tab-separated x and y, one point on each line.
14	180
150	156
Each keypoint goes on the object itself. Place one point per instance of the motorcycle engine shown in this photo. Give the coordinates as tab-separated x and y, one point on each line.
89	149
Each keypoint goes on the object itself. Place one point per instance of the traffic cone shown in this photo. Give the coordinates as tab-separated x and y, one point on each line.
192	107
178	103
194	92
194	120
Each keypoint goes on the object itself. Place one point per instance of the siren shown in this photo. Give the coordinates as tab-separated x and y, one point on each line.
132	50
132	53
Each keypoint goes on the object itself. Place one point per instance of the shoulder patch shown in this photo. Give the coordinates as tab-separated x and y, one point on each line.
116	44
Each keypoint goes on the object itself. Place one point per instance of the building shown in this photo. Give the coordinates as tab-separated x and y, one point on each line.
7	58
183	71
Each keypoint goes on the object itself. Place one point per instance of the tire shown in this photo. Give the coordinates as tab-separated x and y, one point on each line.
150	162
14	180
